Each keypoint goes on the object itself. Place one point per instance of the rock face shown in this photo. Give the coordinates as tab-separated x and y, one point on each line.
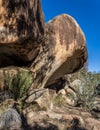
10	120
62	119
49	54
22	35
20	20
68	44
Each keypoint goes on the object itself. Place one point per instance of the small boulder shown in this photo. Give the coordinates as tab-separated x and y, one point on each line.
10	119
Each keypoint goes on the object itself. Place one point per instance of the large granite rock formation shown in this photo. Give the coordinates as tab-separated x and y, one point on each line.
49	51
68	44
20	21
22	34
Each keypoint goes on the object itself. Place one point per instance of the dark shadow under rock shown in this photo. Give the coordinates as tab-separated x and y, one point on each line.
40	126
75	125
5	95
48	126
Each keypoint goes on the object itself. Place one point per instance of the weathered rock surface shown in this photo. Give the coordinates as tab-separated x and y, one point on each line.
57	54
10	119
65	50
68	44
51	115
22	30
61	50
20	21
61	119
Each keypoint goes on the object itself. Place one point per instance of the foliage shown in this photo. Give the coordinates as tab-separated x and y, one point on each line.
59	100
19	83
88	92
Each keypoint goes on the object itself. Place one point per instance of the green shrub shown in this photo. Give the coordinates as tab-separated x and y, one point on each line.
19	83
88	89
59	100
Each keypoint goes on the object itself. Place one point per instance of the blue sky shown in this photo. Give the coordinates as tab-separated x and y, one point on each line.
87	14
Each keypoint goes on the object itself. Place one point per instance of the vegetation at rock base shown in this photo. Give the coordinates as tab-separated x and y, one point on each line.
85	85
59	101
19	83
